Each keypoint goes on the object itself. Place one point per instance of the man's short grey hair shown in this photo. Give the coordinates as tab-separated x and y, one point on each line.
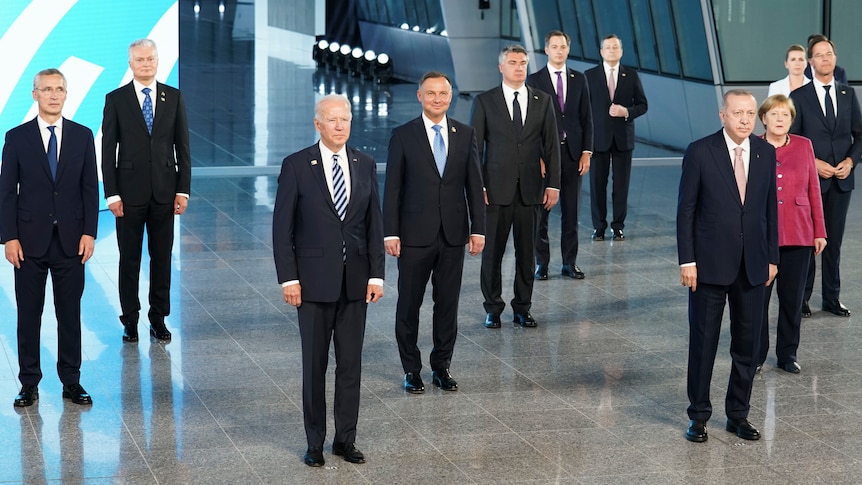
331	98
735	92
47	72
147	43
516	48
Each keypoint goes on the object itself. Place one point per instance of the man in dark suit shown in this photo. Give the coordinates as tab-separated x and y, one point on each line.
727	237
49	212
515	131
827	113
617	98
327	234
575	126
839	73
146	184
433	179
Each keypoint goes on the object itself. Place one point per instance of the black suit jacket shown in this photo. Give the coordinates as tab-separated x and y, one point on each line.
308	235
31	200
577	117
830	145
508	158
613	132
713	228
157	166
418	201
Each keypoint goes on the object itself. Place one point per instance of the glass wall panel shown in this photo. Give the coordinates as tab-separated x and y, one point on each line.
665	36
546	18
614	17
570	26
644	35
587	23
510	28
847	36
693	50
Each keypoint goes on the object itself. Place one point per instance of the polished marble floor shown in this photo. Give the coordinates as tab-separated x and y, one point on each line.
595	394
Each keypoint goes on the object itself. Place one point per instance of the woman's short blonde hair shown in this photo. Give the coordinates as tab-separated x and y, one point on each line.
775	101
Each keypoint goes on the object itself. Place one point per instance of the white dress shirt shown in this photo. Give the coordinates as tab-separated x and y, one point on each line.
509	94
46	134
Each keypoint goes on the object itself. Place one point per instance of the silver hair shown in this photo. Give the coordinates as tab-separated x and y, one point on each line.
516	48
47	72
144	43
318	114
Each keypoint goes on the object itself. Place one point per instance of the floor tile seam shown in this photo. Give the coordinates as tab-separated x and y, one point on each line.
212	142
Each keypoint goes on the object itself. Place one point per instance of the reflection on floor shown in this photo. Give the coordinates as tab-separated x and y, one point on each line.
595	394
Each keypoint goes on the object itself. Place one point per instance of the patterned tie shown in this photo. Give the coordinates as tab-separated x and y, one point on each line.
830	109
561	99
147	109
439	149
739	173
612	84
339	191
516	115
52	152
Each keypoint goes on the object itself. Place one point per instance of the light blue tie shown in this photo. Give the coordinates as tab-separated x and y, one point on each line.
147	109
52	152
439	149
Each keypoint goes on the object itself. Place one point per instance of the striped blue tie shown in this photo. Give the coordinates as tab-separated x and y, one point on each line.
339	191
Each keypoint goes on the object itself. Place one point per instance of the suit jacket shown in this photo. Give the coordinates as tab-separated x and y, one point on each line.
31	200
418	201
830	145
310	241
508	158
577	117
157	166
612	132
800	207
713	228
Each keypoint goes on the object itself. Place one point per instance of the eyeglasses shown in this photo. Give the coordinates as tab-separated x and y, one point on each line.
58	90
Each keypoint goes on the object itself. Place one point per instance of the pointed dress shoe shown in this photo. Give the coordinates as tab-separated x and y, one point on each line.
696	431
806	310
492	320
836	308
159	331
77	394
314	456
743	429
541	272
598	236
525	320
413	383
618	235
28	395
792	367
130	331
349	452
442	379
572	271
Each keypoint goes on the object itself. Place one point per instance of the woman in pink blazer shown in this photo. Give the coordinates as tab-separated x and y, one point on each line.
800	227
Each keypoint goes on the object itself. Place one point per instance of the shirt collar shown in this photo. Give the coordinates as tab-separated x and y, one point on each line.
429	123
326	154
746	144
139	86
43	125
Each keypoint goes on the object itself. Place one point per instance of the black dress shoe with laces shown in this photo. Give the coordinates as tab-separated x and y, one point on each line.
524	320
349	452
598	236
743	429
492	320
806	310
792	367
77	394
442	379
130	331
696	431
28	395
836	308
618	235
541	272
314	456
159	331
413	383
572	271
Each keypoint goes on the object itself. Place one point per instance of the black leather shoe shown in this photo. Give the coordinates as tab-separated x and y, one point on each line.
77	394
618	235
542	272
758	369
743	429
28	395
806	310
525	320
442	379
413	383
792	367
492	320
349	452
572	271
130	331
837	308
159	330
696	431
598	236
314	456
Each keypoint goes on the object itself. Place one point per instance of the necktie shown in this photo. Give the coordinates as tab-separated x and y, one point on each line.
339	191
561	95
439	149
830	109
516	115
147	109
612	84
52	152
739	173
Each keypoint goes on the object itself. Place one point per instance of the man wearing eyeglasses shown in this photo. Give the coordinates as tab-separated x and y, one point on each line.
49	211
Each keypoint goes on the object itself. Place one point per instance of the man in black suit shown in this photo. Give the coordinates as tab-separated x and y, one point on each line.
147	183
515	131
49	212
838	73
327	234
727	237
617	98
433	179
575	125
827	113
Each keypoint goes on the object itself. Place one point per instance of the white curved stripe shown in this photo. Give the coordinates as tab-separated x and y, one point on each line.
166	35
80	77
25	37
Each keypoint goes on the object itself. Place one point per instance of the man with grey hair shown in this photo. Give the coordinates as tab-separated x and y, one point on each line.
146	170
327	234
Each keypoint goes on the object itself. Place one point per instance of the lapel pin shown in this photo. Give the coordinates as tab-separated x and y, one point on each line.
535	97
163	96
843	92
454	130
355	160
623	74
571	74
313	163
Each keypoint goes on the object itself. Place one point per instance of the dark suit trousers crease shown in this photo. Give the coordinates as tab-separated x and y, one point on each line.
790	283
523	221
319	323
706	308
67	276
570	194
444	265
835	206
158	220
602	162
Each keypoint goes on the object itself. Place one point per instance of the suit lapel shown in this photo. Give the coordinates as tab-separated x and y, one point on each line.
130	98
36	141
418	131
724	165
500	103
842	101
315	164
353	163
532	108
64	143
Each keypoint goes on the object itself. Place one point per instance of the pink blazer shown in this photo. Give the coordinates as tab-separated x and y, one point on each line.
800	208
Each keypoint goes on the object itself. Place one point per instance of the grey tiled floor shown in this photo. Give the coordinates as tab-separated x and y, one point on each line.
595	394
